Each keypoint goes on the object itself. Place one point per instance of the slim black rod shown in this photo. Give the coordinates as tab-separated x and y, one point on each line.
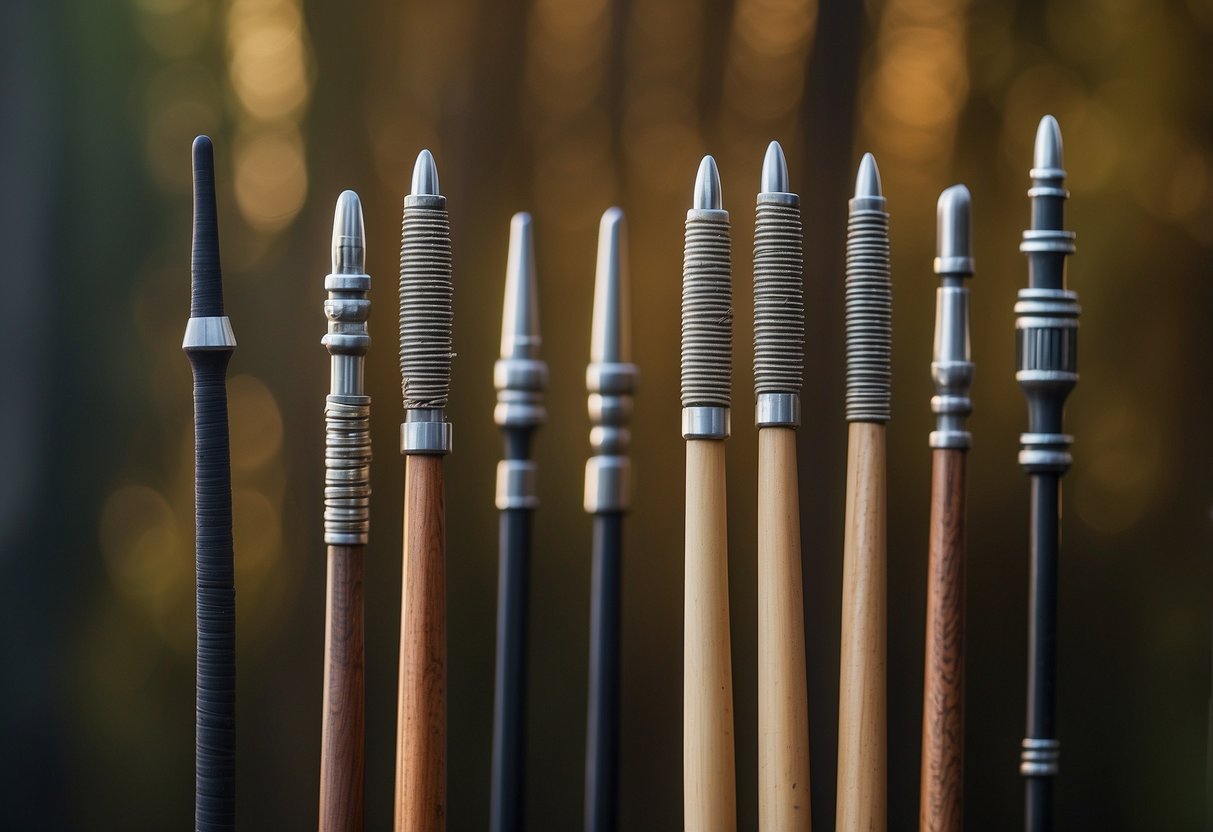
602	728
209	345
1042	639
508	790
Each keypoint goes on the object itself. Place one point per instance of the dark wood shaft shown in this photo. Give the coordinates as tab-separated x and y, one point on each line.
421	718
343	738
942	797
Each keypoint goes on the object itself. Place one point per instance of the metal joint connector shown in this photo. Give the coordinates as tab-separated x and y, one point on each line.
209	334
425	431
705	422
516	484
777	409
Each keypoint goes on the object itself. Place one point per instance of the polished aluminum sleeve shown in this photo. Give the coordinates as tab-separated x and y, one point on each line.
869	301
951	367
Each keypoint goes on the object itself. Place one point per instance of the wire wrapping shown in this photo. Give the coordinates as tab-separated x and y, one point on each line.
869	316
778	299
347	471
426	299
707	311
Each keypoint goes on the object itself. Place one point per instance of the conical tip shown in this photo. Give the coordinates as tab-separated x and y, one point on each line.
867	181
708	196
1047	155
349	235
953	241
610	337
775	171
520	318
425	176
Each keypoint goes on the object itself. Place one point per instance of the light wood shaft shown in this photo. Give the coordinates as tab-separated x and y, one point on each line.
941	808
708	779
783	703
862	753
342	734
421	717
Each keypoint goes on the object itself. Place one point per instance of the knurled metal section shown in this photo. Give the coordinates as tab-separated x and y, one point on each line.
347	469
869	317
778	299
426	295
707	311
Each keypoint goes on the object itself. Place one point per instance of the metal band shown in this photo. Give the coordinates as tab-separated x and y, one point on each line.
1040	758
347	469
425	432
608	484
212	333
705	423
520	383
516	484
777	409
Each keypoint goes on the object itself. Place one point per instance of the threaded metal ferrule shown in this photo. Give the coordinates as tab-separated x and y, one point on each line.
869	312
347	469
707	310
426	295
778	306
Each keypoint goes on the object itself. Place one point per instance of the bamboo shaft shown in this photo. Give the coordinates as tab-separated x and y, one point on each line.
421	719
783	715
862	754
342	734
941	808
709	787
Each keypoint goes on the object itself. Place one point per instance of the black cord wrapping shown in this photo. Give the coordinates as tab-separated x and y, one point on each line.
602	729
215	755
206	297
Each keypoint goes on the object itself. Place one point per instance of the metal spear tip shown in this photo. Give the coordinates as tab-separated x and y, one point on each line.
953	240
867	181
708	196
1047	154
425	176
611	333
520	318
775	171
349	235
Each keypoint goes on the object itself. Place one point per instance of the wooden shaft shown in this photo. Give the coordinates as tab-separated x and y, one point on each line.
342	735
941	808
708	781
783	703
421	718
862	754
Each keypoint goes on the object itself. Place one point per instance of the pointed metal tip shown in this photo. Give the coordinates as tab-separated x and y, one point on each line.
953	238
867	181
775	171
708	195
611	333
520	315
425	176
1047	155
349	235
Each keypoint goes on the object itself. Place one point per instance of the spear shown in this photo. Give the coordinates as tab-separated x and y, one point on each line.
347	494
708	779
861	692
209	343
1046	347
610	380
520	377
941	807
783	705
425	438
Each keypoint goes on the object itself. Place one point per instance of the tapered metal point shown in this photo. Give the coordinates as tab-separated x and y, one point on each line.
1047	155
349	235
708	195
953	240
775	171
611	334
425	176
520	318
867	181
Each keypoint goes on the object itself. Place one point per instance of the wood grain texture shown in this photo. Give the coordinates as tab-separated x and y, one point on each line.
862	728
421	718
342	740
783	703
941	808
708	775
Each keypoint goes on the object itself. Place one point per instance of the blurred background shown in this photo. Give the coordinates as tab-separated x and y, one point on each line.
563	108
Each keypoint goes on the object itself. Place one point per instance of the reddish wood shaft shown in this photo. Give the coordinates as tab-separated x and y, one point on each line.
942	800
342	734
421	718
